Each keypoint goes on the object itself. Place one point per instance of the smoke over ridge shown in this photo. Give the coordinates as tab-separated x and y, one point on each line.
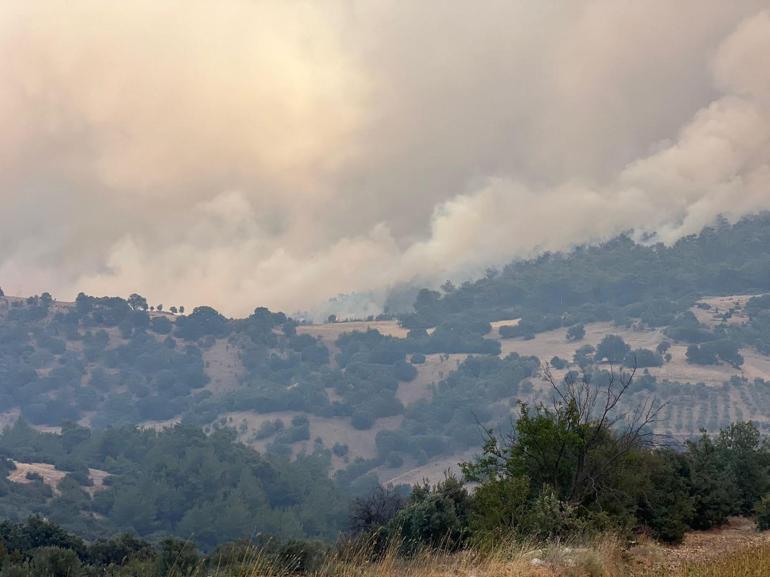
278	152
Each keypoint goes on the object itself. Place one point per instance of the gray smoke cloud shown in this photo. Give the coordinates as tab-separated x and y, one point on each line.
281	152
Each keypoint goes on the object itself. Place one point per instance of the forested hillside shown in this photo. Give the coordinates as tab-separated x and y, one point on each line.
390	399
180	481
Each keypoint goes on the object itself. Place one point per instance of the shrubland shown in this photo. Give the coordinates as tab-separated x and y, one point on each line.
570	458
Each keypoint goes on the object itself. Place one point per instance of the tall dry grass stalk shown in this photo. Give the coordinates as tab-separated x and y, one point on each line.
602	557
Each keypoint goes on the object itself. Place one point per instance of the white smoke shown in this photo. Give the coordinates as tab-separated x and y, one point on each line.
279	153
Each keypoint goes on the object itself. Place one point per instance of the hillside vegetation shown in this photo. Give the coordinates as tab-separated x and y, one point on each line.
336	408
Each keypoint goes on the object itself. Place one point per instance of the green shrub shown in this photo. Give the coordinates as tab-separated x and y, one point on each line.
558	363
500	506
576	332
177	557
362	420
55	562
549	517
436	517
762	513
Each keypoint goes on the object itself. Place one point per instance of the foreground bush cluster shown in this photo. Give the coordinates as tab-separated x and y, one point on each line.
39	548
581	468
574	472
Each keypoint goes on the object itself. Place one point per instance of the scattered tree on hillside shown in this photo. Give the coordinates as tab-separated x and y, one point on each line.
643	358
613	349
137	302
584	356
576	332
558	363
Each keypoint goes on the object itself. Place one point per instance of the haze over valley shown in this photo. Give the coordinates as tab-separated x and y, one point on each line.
377	288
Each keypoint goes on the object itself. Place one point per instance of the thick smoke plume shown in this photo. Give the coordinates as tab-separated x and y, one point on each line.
280	152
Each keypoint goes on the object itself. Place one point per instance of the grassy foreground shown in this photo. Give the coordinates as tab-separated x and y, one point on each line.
753	561
605	557
602	558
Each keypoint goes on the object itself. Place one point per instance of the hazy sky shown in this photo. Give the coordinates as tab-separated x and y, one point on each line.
244	153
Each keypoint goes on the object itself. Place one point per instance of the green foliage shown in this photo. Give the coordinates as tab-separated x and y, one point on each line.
436	517
56	366
613	349
584	356
713	487
500	506
37	555
664	505
176	557
762	513
203	321
178	481
268	429
643	358
567	470
54	562
108	359
686	328
558	363
362	420
549	517
618	280
711	353
576	332
748	458
449	420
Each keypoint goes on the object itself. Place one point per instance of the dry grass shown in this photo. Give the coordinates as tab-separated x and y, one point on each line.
713	553
330	332
752	561
435	368
52	476
603	558
330	429
223	366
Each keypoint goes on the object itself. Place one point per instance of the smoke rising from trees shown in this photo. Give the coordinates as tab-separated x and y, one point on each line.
280	153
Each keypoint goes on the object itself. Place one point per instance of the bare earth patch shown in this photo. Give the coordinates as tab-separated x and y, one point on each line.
495	332
52	476
160	425
223	366
330	332
331	430
718	306
554	343
698	546
435	368
432	472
